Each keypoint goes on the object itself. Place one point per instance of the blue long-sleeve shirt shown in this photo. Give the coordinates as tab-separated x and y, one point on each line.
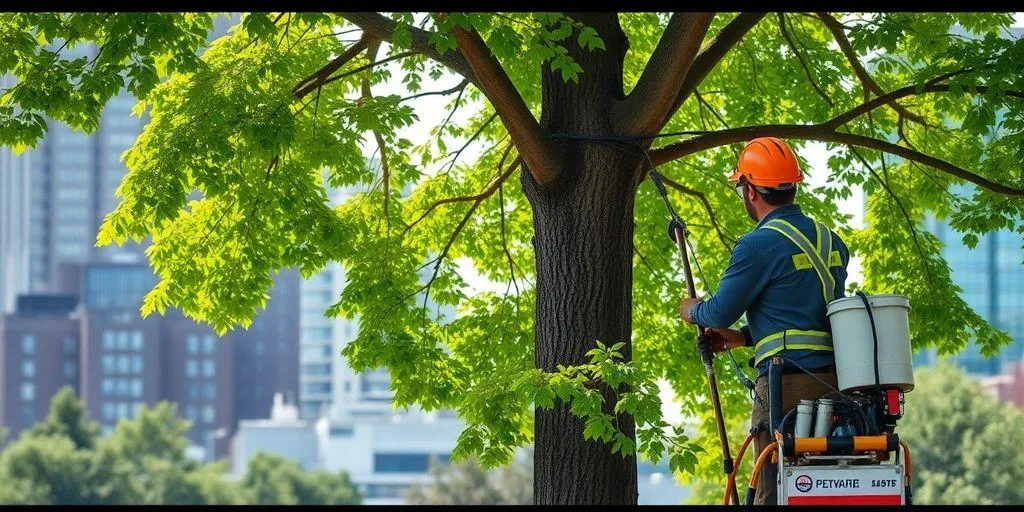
763	282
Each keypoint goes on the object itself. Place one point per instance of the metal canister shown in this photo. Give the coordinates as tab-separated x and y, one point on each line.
804	415
823	420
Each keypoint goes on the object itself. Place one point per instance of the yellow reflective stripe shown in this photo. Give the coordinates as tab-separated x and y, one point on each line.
791	332
791	339
814	258
802	262
794	346
824	251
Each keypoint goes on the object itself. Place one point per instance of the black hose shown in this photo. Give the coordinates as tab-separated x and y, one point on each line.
874	337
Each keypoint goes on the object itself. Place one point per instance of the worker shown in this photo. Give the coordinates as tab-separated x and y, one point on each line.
782	275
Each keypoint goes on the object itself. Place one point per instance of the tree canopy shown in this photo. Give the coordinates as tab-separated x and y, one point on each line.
922	110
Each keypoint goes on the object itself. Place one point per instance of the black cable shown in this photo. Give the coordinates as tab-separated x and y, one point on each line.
623	138
877	400
660	186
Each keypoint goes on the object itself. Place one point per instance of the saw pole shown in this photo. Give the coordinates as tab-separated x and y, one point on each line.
705	353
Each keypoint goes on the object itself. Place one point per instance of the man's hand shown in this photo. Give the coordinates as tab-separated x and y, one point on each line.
724	339
685	306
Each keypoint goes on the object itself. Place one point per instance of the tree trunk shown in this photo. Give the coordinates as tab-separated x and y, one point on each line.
583	240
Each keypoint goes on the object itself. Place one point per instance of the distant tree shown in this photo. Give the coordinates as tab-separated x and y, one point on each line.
466	483
62	461
67	417
51	471
966	445
273	480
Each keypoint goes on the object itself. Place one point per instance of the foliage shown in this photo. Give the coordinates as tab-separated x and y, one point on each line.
229	179
465	483
144	462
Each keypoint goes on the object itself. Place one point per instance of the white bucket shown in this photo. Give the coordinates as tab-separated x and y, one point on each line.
854	345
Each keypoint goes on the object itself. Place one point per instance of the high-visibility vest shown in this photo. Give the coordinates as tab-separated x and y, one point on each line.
818	257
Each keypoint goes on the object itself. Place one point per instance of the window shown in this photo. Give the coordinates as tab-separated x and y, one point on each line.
28	391
209	344
122	340
28	368
122	410
70	370
137	341
70	345
190	412
108	411
191	368
208	414
122	387
341	432
135	409
316	388
136	364
316	369
28	344
385	490
209	370
192	344
107	386
316	334
136	388
209	391
108	340
405	462
192	391
123	364
28	415
109	364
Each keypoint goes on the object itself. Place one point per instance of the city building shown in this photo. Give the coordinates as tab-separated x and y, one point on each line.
14	188
39	356
282	434
1008	386
991	276
267	353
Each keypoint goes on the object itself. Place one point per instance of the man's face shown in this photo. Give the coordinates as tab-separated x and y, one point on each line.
741	189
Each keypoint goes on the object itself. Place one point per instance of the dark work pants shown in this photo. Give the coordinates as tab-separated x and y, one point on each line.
795	387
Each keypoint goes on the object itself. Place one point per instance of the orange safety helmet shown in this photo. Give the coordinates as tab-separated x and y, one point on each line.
768	162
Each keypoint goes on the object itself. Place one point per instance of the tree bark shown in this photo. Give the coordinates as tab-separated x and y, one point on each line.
583	239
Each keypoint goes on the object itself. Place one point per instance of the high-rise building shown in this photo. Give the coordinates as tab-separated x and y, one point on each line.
267	353
38	356
14	188
992	278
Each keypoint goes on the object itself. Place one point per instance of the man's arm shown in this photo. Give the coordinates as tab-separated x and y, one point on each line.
744	279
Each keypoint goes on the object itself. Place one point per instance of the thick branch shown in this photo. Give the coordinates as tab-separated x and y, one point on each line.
383	28
708	57
652	101
535	148
371	54
824	133
317	79
862	74
364	67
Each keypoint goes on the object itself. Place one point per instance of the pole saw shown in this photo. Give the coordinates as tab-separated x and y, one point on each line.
678	232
